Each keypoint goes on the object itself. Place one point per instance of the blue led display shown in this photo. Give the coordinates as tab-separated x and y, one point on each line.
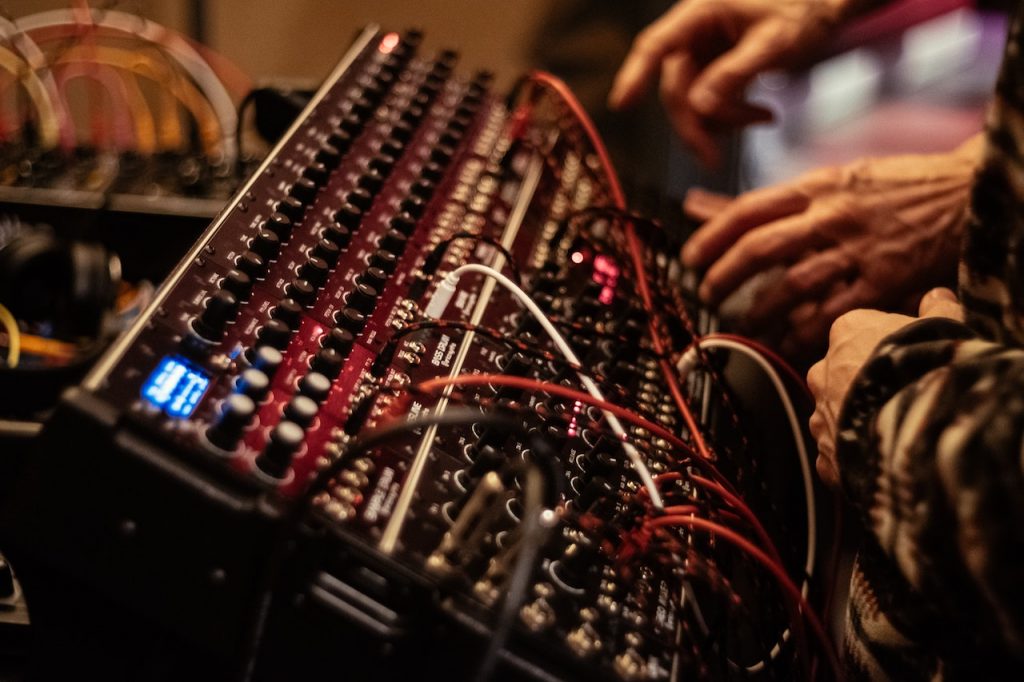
176	387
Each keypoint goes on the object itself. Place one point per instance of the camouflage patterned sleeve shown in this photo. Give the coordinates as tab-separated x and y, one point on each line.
931	455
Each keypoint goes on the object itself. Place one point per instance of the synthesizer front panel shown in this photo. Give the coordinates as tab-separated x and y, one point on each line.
313	314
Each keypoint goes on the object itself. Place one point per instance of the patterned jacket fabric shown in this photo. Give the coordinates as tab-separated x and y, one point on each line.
931	454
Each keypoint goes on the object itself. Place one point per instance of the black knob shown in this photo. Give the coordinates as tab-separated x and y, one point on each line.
328	251
340	340
413	205
327	362
339	235
315	271
288	311
392	147
412	115
236	413
329	155
315	386
254	383
317	173
274	333
265	244
350	216
598	488
450	140
251	264
515	364
393	64
403	223
302	291
448	58
375	277
371	181
267	359
363	298
373	91
276	458
340	140
280	224
385	79
362	107
291	207
360	198
485	459
382	163
220	309
402	132
301	410
422	188
350	319
304	190
393	241
442	154
385	260
238	283
430	87
351	124
432	171
421	101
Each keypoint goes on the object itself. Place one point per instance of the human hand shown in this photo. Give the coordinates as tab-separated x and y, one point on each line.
852	340
872	233
708	51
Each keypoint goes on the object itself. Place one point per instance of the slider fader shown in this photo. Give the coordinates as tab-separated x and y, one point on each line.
409	407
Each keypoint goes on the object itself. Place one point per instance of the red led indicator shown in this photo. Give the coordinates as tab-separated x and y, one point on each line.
389	42
606	273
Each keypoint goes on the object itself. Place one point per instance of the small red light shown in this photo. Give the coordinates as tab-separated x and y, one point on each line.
389	42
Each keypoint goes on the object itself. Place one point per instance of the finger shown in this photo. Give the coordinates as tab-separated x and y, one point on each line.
816	379
702	205
673	31
677	71
724	80
828	472
940	302
759	249
748	211
808	278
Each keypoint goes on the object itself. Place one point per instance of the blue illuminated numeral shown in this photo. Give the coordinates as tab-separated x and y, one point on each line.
176	387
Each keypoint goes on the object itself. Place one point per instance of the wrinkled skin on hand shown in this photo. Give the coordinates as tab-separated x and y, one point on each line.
704	53
852	340
874	233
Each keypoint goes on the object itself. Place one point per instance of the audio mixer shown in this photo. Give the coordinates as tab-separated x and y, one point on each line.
420	402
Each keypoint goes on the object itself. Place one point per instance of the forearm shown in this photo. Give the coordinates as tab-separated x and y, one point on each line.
928	449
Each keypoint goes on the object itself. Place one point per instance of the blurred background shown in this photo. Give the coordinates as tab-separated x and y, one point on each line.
914	78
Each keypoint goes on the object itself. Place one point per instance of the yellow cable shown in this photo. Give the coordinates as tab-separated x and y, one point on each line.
148	67
49	133
49	348
13	336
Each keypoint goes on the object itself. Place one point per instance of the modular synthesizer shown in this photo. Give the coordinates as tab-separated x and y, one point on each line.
427	398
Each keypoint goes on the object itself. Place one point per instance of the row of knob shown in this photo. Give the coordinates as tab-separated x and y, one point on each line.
237	412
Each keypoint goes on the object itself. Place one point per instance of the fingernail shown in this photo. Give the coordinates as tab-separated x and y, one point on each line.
615	96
